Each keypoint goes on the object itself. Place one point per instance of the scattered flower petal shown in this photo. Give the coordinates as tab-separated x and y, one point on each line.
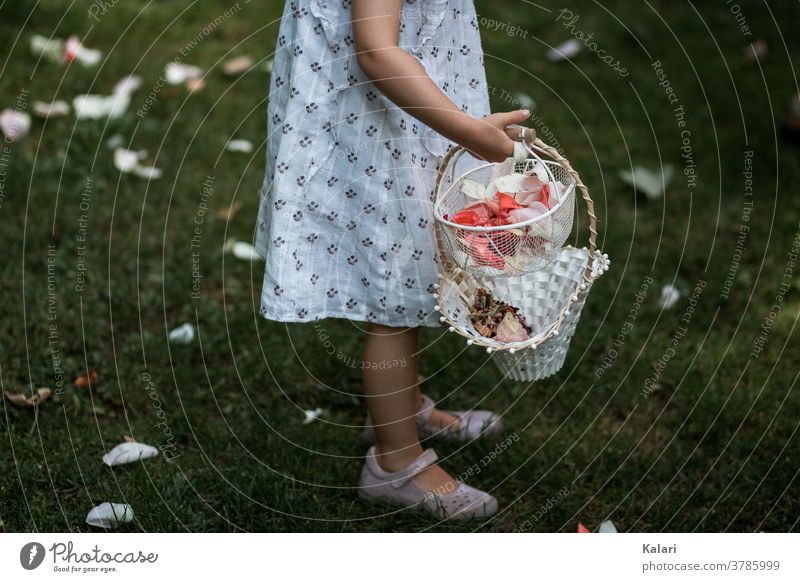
51	49
238	66
128	452
755	52
58	108
75	51
32	401
195	85
127	85
179	73
311	415
126	160
87	379
240	145
566	50
650	183
608	527
148	172
669	296
229	212
182	335
244	251
14	124
109	515
100	106
582	529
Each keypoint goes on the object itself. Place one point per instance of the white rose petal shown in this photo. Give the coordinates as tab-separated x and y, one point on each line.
51	49
57	108
239	145
311	415
566	50
652	184
178	73
242	250
14	124
669	296
182	335
125	453
109	515
148	172
473	189
126	160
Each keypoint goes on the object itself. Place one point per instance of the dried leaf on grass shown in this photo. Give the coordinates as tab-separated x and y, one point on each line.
87	379
229	212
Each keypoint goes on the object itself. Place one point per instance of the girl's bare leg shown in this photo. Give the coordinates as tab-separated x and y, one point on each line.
391	384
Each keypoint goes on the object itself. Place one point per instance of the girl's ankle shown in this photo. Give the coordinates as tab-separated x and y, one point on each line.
394	461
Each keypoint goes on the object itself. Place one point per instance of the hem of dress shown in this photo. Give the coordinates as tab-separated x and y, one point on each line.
352	317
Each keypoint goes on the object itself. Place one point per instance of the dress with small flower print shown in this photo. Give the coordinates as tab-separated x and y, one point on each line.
346	215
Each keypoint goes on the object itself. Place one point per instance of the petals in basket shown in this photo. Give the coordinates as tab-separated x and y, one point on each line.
510	330
477	246
473	189
534	210
513	183
507	203
474	215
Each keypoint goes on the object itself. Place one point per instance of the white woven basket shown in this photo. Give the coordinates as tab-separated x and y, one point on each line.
544	298
551	299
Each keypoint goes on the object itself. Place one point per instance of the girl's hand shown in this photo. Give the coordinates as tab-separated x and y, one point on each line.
493	138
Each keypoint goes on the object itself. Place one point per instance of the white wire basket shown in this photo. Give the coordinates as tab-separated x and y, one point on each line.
550	299
512	249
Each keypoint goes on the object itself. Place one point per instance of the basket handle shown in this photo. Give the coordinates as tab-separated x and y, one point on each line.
527	136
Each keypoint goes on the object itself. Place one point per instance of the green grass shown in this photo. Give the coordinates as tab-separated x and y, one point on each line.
715	448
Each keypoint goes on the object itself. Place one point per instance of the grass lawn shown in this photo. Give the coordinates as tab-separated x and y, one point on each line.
661	420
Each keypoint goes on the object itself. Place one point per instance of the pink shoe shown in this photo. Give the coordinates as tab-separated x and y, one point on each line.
472	424
399	488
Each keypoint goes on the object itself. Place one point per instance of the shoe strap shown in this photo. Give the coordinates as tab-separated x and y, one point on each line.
425	460
425	410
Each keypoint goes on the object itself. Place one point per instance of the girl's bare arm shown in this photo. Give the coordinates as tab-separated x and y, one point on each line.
399	76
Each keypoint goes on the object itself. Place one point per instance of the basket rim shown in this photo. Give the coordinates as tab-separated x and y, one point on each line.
437	214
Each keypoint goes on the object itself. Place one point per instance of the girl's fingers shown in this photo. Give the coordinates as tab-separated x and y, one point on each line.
514	132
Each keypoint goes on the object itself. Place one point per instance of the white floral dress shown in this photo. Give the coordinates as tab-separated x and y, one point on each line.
346	216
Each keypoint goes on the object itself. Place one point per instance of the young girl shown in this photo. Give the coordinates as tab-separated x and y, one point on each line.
366	98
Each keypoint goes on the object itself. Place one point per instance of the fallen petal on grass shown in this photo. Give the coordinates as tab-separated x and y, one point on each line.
14	124
566	50
311	415
129	452
239	145
652	184
241	250
179	73
75	51
24	401
182	335
669	296
58	108
109	515
229	212
51	49
238	66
